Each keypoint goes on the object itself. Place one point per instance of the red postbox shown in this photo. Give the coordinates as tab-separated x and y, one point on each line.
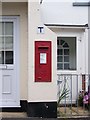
43	61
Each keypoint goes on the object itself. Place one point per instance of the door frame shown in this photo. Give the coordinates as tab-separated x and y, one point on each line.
15	20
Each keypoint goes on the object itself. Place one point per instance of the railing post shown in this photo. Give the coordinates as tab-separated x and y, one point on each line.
77	92
89	93
71	94
65	96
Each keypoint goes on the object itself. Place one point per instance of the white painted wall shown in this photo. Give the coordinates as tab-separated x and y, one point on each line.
63	12
39	91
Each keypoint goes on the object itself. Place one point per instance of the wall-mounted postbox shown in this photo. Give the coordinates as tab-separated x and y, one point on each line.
43	61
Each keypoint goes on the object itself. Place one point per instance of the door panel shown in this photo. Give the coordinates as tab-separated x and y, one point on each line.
8	63
8	85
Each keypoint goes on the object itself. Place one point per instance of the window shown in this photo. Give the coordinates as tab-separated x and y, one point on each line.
62	55
6	42
66	53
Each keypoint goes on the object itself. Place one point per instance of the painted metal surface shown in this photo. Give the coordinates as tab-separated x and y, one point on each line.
43	61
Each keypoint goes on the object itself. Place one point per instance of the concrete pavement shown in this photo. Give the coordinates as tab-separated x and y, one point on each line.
85	118
23	116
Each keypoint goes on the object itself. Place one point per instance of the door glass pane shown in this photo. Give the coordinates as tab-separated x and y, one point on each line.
1	43
66	58
9	57
59	66
6	43
62	42
66	66
65	45
59	59
9	28
66	51
1	57
1	28
57	42
59	52
9	43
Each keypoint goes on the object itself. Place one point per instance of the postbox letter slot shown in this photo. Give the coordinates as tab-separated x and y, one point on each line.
39	77
43	47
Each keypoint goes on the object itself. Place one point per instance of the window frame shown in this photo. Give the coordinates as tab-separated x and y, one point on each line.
15	20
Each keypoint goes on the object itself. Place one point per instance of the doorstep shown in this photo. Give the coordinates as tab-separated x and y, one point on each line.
13	114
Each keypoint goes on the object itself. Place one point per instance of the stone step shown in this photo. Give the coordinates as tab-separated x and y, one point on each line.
13	114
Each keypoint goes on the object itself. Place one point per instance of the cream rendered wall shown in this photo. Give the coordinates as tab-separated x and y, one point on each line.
14	0
40	91
20	9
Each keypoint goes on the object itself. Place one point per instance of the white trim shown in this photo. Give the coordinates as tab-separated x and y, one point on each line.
18	60
66	27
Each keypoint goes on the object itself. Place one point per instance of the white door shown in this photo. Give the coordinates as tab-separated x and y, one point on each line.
9	62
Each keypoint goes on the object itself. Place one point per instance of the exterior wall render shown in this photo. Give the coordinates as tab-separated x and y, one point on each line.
20	9
14	0
37	92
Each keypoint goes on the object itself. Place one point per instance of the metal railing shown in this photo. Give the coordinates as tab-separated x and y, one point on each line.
73	95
